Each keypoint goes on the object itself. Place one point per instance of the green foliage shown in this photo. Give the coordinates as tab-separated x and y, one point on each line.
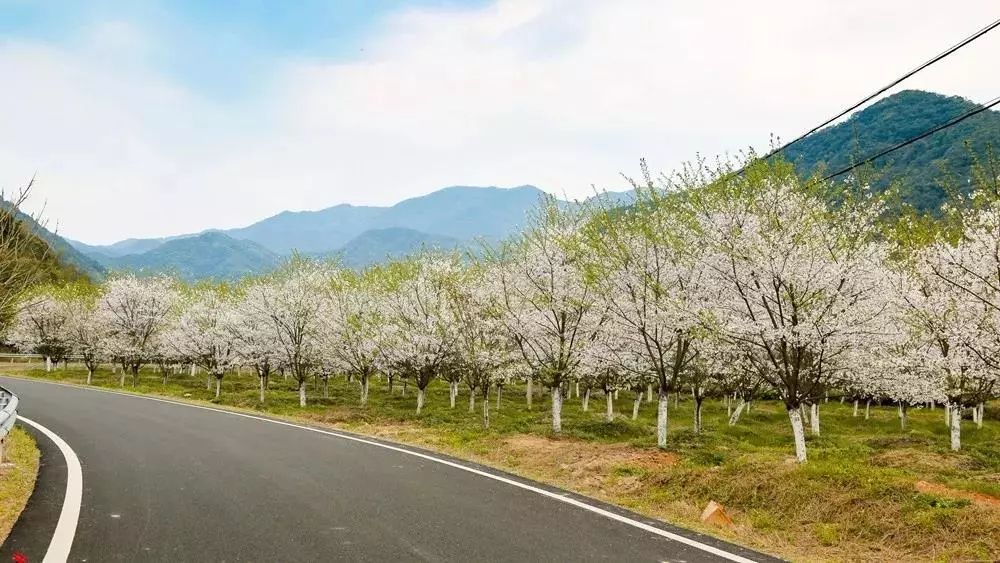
926	169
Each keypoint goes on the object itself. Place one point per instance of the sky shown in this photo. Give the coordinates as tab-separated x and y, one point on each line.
145	118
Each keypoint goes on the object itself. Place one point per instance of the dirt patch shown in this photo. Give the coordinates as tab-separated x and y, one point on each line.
945	491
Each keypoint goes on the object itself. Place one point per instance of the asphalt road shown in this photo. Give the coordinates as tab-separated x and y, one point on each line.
167	482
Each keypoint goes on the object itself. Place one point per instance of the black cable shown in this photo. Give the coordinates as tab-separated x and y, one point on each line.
885	88
910	141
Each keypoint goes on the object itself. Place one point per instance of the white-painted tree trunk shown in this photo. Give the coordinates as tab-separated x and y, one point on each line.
486	408
609	412
903	419
736	413
420	400
947	414
472	400
980	412
814	420
302	393
218	387
662	419
868	409
453	392
855	407
635	405
48	364
529	392
649	393
261	389
208	381
556	409
616	394
697	416
798	432
956	427
366	385
576	387
192	370
90	375
729	407
586	399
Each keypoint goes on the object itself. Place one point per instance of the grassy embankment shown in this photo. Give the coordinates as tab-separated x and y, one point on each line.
856	498
17	478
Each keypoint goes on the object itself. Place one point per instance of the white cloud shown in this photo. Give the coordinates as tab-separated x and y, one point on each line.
560	93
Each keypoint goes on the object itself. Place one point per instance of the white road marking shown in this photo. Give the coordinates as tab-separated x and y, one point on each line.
561	497
62	538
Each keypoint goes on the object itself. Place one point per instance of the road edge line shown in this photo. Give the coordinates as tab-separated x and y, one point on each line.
69	516
531	488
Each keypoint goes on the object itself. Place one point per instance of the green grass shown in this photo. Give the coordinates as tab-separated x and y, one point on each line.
17	478
856	496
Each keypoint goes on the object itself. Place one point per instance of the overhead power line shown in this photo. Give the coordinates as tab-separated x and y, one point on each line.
910	141
942	55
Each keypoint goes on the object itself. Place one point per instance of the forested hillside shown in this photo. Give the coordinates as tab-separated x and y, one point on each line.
921	169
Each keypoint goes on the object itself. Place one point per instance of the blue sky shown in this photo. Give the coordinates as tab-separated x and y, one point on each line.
215	47
151	118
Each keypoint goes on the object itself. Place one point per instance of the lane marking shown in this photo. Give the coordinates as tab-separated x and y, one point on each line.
561	497
62	538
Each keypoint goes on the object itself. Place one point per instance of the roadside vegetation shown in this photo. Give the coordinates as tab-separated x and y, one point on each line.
821	363
17	478
869	491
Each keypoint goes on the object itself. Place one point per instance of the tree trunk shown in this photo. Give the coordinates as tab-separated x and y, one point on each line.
48	364
609	413
121	380
799	433
576	386
586	399
947	414
736	413
218	387
649	393
635	404
981	412
262	389
662	405
486	406
302	393
697	415
902	415
557	409
208	381
420	400
729	406
499	394
326	386
404	388
956	427
472	399
452	392
868	409
855	407
90	375
365	383
528	392
814	420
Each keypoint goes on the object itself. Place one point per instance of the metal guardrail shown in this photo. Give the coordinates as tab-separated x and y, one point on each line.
8	416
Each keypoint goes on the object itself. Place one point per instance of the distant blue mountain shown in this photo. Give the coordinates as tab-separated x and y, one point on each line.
449	218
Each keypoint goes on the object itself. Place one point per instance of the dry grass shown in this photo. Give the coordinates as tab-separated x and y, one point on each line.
17	479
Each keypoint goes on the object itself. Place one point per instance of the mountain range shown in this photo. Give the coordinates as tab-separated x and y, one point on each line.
450	218
458	216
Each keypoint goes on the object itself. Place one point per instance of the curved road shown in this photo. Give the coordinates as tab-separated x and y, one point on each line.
170	482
